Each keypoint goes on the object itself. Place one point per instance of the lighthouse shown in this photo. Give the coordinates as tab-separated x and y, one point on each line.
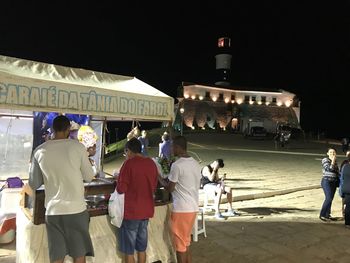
223	62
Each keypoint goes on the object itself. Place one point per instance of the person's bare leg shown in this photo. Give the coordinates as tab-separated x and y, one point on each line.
189	255
59	261
141	257
218	200
79	260
129	258
181	257
229	196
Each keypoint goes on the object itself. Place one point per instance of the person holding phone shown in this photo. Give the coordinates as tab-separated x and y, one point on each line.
212	182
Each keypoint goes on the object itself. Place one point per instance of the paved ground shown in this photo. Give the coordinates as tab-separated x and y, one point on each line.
279	217
277	192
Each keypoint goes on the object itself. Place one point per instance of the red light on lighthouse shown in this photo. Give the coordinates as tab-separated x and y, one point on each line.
221	42
224	42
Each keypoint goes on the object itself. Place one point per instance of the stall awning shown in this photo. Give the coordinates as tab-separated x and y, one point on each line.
36	86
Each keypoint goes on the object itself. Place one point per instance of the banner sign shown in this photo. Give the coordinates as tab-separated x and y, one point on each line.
70	98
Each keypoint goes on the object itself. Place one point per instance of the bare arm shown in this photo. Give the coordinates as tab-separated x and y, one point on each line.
35	175
212	176
168	185
86	168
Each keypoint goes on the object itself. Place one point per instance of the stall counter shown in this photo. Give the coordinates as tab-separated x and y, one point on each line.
32	247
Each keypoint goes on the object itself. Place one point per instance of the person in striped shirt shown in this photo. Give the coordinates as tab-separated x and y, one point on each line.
329	183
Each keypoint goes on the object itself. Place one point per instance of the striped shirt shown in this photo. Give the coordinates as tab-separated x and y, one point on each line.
329	170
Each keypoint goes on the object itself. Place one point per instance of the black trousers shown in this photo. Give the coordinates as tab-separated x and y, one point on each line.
347	209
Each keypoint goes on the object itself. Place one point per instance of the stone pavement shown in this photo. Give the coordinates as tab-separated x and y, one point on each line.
279	197
283	228
277	192
255	169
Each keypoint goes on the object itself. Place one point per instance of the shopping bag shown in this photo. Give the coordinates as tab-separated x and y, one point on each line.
116	208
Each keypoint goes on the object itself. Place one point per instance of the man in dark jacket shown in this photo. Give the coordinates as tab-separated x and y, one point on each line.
346	161
345	189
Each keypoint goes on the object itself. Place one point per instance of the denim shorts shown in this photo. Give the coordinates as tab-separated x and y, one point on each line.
133	235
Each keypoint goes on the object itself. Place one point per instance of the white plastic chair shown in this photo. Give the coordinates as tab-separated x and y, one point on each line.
209	201
199	228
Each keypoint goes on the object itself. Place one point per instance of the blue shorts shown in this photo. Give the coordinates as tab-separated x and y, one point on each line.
133	235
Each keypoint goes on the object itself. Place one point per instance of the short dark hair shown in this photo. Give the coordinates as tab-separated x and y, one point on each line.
181	142
60	123
166	137
221	162
331	148
133	145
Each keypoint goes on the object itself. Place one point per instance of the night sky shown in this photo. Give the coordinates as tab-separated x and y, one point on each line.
300	47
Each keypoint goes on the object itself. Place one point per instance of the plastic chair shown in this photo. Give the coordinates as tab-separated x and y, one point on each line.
199	228
207	204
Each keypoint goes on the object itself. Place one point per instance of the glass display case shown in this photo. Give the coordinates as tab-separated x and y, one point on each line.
97	194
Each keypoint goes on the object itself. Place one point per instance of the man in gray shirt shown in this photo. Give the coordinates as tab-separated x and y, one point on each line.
62	165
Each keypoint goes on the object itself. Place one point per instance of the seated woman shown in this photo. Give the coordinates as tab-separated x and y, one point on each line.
211	182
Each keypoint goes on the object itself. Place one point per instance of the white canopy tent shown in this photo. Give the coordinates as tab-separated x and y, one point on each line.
35	86
29	86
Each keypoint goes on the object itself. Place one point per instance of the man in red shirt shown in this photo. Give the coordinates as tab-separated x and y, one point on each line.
137	180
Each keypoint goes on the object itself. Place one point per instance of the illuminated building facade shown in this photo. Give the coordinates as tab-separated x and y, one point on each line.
226	107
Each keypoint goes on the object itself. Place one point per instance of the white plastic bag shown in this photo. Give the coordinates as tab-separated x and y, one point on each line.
116	208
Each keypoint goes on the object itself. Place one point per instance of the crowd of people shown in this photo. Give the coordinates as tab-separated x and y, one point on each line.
183	182
138	177
66	210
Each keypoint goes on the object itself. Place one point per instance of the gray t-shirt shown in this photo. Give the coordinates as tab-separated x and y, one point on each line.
61	165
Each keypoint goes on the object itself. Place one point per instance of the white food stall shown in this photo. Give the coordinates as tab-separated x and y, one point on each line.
29	86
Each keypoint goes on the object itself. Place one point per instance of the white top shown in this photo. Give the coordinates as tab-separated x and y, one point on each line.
61	165
186	173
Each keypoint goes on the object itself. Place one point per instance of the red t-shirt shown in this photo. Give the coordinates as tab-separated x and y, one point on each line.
138	181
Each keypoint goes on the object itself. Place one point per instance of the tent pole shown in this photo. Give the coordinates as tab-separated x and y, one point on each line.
104	128
170	127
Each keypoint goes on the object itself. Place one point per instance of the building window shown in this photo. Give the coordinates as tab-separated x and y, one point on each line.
221	96
253	98
207	95
232	97
263	98
246	98
274	100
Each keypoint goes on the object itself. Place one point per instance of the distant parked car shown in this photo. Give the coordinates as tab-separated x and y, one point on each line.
257	132
293	132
